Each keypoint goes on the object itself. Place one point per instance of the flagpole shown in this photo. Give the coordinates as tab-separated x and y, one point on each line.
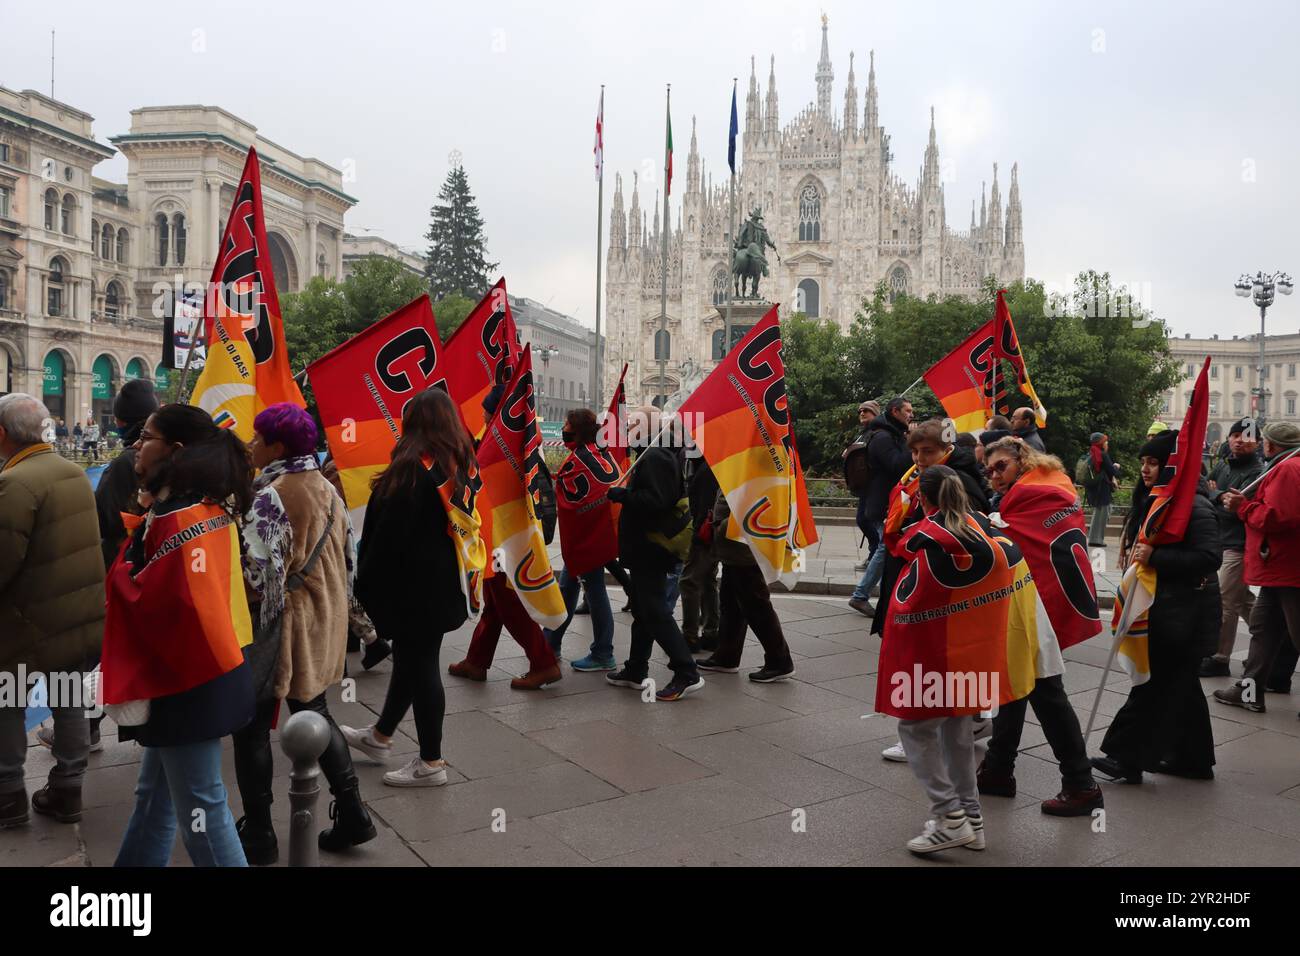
200	324
731	241
597	376
663	292
912	386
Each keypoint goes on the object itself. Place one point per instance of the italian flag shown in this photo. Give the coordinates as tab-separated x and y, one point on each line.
668	166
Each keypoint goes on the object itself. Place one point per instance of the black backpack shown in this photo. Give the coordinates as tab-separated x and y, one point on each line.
857	469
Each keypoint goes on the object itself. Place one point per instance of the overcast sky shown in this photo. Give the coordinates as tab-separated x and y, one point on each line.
1156	140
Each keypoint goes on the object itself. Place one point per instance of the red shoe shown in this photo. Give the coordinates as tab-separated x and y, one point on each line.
468	670
1074	803
537	679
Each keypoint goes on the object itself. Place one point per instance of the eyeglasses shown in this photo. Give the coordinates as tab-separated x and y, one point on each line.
999	467
145	436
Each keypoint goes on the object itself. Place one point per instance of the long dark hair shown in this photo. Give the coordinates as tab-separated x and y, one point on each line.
431	425
943	488
211	461
582	422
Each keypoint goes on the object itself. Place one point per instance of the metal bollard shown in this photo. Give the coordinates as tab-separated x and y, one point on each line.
304	738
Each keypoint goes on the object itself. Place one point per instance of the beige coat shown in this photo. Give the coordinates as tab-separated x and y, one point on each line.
315	625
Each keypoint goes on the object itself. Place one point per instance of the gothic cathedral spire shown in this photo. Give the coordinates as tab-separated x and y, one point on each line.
871	118
825	75
851	104
773	120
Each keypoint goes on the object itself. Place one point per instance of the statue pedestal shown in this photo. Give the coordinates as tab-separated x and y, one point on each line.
745	314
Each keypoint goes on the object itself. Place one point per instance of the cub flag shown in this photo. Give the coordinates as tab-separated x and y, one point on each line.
363	385
1166	522
247	364
967	380
963	631
1041	514
739	418
588	520
1007	346
509	458
192	583
482	353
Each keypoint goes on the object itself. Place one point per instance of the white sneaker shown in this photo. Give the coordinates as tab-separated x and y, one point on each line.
951	831
983	727
977	825
364	740
417	773
895	753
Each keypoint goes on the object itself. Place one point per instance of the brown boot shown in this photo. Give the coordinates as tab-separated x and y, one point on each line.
467	670
536	679
13	809
62	804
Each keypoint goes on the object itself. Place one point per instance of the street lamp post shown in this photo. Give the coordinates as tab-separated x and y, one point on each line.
1261	287
544	352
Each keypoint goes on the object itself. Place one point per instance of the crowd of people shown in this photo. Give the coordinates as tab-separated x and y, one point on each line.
121	577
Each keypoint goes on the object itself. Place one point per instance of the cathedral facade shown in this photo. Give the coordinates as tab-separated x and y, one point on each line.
842	220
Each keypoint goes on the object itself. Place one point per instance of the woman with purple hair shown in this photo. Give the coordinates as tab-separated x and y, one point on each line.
298	571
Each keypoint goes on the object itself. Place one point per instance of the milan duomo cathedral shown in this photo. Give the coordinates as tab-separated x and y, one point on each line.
840	217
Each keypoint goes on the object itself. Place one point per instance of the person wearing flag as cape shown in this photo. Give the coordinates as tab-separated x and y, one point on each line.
173	672
417	571
1164	726
959	639
1039	511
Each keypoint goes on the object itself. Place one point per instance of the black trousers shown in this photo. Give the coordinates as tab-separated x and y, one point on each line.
652	624
1060	726
1274	635
255	766
699	590
747	604
416	684
1167	717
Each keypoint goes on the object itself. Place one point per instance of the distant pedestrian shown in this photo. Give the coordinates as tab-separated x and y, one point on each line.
887	459
51	604
1099	489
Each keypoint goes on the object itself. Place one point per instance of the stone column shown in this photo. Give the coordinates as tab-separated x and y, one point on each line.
214	222
311	248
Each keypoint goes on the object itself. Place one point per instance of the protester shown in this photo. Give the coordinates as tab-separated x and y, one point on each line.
1164	726
647	522
1156	428
1099	489
176	622
51	603
868	412
746	602
1025	426
90	440
409	578
581	431
936	621
887	459
298	568
1242	467
1271	515
997	427
699	581
1007	462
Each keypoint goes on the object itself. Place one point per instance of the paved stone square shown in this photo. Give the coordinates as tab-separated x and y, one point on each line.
586	773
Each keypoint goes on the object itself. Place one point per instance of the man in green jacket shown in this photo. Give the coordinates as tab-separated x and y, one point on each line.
51	605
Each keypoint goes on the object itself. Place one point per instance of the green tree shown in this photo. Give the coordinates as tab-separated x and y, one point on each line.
457	259
451	311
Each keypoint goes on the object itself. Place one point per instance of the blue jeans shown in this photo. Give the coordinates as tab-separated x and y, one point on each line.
674	588
181	785
602	617
875	564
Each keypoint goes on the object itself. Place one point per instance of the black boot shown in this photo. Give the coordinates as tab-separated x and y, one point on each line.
352	823
376	651
257	835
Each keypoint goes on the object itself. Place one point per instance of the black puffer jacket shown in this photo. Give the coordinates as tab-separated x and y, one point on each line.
1236	472
1030	436
888	458
653	490
971	472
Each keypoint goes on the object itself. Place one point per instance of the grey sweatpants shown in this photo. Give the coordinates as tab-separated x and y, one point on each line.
941	753
71	748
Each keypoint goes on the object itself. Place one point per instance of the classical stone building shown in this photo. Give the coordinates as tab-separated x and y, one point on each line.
563	350
356	248
841	218
1234	379
87	266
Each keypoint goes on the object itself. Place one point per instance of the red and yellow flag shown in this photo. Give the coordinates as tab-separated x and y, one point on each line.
482	352
363	385
966	380
1041	514
247	365
739	418
588	520
509	458
962	634
1007	346
1166	520
181	619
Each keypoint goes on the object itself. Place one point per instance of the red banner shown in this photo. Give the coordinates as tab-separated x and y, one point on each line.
1043	517
1006	345
482	353
363	385
588	520
966	380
